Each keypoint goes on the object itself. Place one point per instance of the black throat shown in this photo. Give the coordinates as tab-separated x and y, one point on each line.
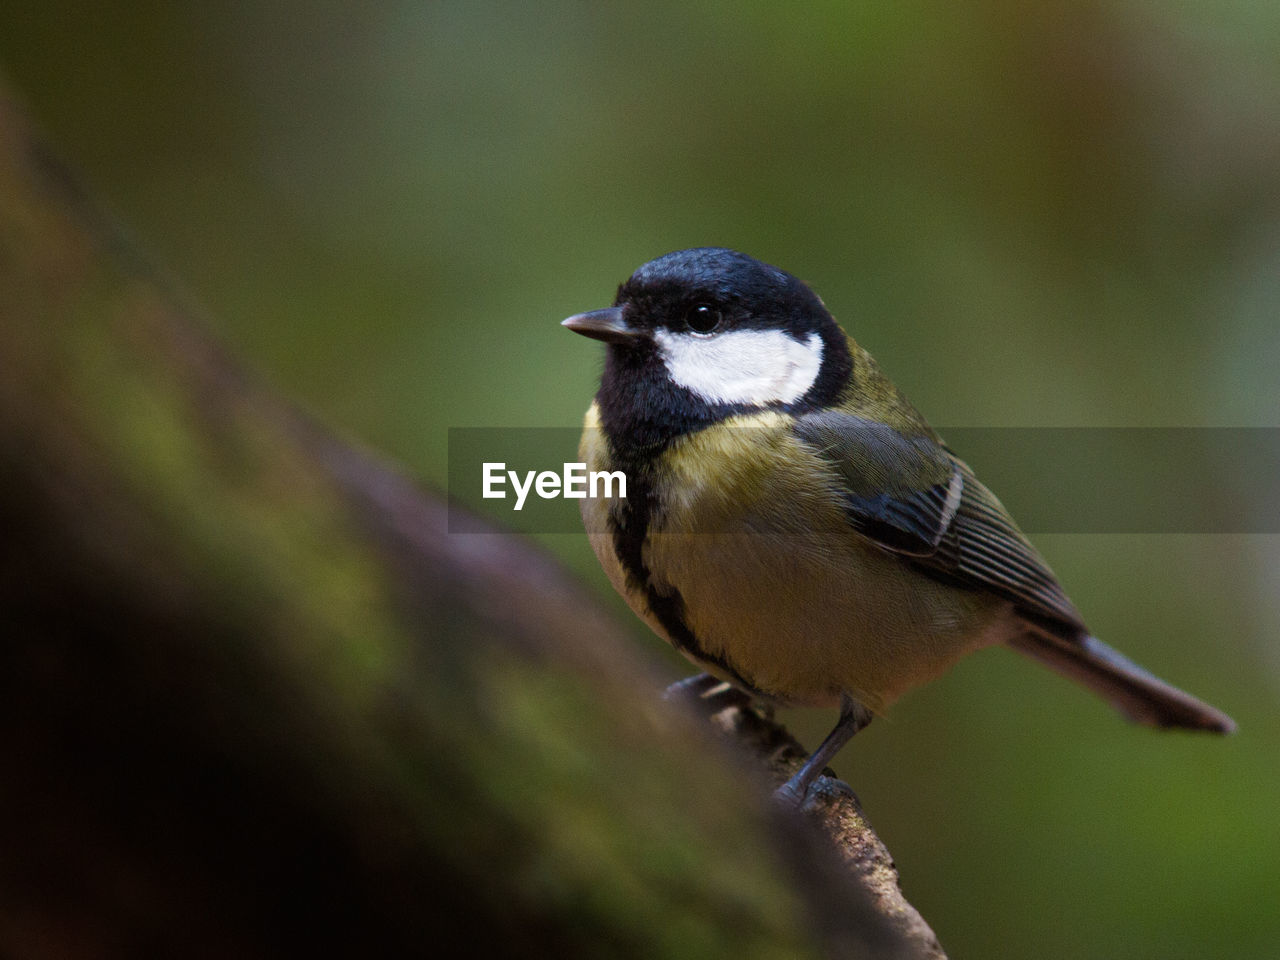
642	412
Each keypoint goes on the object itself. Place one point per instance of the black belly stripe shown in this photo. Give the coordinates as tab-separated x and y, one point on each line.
629	526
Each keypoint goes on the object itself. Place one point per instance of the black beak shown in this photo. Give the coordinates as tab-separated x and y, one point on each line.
607	325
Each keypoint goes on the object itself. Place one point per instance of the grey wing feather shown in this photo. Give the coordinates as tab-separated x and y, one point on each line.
945	522
871	460
983	547
949	526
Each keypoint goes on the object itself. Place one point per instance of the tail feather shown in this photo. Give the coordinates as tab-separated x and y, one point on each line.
1141	696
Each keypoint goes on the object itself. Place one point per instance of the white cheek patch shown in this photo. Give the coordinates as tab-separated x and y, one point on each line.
753	367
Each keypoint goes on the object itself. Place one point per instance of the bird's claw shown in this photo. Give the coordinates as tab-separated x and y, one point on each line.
790	796
794	796
707	693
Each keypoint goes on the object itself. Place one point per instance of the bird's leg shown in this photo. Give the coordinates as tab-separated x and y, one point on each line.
853	717
704	690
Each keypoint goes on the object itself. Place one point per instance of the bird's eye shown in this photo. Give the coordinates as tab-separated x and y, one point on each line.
703	318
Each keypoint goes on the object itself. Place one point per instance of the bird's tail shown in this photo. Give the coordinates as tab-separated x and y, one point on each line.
1142	697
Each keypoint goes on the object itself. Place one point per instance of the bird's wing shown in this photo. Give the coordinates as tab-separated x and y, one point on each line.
902	492
912	496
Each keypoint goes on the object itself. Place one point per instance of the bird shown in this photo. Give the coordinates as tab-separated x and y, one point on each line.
793	525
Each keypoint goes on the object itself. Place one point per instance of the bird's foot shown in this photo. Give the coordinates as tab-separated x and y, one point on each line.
796	796
706	693
690	688
790	795
796	792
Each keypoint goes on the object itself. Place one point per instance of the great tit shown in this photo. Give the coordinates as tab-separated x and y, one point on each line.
794	526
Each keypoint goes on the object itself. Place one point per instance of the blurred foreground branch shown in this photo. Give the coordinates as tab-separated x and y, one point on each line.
255	699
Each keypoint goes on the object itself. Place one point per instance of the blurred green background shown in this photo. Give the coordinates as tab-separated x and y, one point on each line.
1031	214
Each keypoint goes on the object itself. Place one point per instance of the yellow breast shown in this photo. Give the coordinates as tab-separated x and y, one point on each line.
747	526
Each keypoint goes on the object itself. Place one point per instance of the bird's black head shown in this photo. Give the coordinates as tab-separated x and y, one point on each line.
710	290
700	335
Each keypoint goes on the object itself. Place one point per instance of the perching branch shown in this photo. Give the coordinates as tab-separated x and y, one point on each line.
255	699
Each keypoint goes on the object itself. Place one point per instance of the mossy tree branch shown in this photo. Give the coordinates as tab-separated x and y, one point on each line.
255	699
